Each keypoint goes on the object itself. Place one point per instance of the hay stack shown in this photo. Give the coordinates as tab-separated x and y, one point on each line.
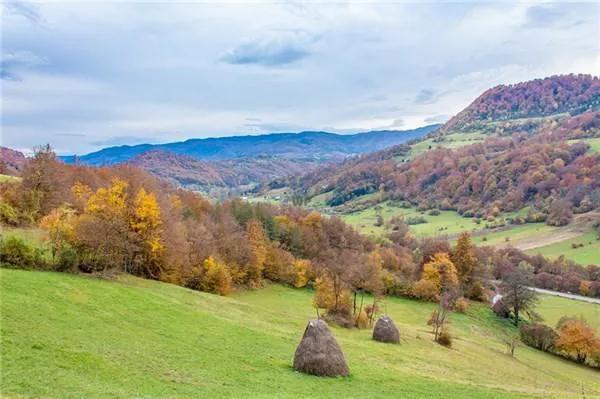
385	331
319	353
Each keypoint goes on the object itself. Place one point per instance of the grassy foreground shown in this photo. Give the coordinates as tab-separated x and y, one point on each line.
73	336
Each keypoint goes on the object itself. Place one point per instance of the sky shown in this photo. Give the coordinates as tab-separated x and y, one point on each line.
86	75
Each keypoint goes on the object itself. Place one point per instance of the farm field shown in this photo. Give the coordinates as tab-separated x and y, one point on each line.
552	308
588	254
139	338
446	223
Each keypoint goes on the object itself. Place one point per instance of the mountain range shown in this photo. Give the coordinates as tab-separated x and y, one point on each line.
309	146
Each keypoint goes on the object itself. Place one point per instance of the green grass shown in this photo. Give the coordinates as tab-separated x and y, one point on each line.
514	234
8	178
454	140
552	308
446	223
67	336
589	254
33	236
593	142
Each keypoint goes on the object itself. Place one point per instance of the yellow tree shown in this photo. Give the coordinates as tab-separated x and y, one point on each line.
441	273
464	260
216	278
145	221
302	269
576	338
258	252
59	224
102	230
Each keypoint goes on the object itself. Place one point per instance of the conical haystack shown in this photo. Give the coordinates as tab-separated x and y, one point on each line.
319	353
385	331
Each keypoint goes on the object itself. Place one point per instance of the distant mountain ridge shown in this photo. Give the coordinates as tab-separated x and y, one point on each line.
309	146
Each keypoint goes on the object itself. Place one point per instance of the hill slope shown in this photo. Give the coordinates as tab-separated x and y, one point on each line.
571	94
140	338
192	173
314	146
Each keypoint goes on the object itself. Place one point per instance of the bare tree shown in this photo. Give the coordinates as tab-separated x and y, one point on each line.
517	296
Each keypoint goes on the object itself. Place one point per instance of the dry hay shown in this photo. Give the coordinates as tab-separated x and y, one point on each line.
385	331
318	352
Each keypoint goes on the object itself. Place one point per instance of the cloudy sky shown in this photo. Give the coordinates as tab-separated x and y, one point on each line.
84	75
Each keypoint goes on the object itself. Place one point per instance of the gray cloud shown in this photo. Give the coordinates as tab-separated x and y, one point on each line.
12	63
436	119
425	96
28	10
284	48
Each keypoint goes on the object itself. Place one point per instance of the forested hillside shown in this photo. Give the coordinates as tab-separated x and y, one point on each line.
192	173
541	163
571	94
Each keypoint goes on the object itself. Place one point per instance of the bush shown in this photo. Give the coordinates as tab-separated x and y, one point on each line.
478	292
445	338
16	253
8	214
539	336
434	212
461	305
217	278
362	321
415	220
425	290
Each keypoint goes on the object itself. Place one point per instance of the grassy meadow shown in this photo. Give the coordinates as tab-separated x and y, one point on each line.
129	337
552	308
446	223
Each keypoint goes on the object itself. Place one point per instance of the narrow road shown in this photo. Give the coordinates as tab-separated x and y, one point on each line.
565	295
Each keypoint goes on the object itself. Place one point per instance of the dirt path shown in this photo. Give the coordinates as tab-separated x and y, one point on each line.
579	225
565	295
558	235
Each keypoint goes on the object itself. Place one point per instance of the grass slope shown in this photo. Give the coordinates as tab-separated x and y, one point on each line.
552	308
446	223
72	336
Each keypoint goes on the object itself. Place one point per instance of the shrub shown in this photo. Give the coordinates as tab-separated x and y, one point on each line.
8	214
412	220
426	290
434	212
445	338
500	309
461	305
217	278
478	292
15	252
362	321
539	336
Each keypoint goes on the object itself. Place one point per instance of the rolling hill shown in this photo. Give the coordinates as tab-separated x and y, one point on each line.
524	152
129	337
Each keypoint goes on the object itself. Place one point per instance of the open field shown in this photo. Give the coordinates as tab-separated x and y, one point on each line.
588	254
552	308
454	140
73	336
446	223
